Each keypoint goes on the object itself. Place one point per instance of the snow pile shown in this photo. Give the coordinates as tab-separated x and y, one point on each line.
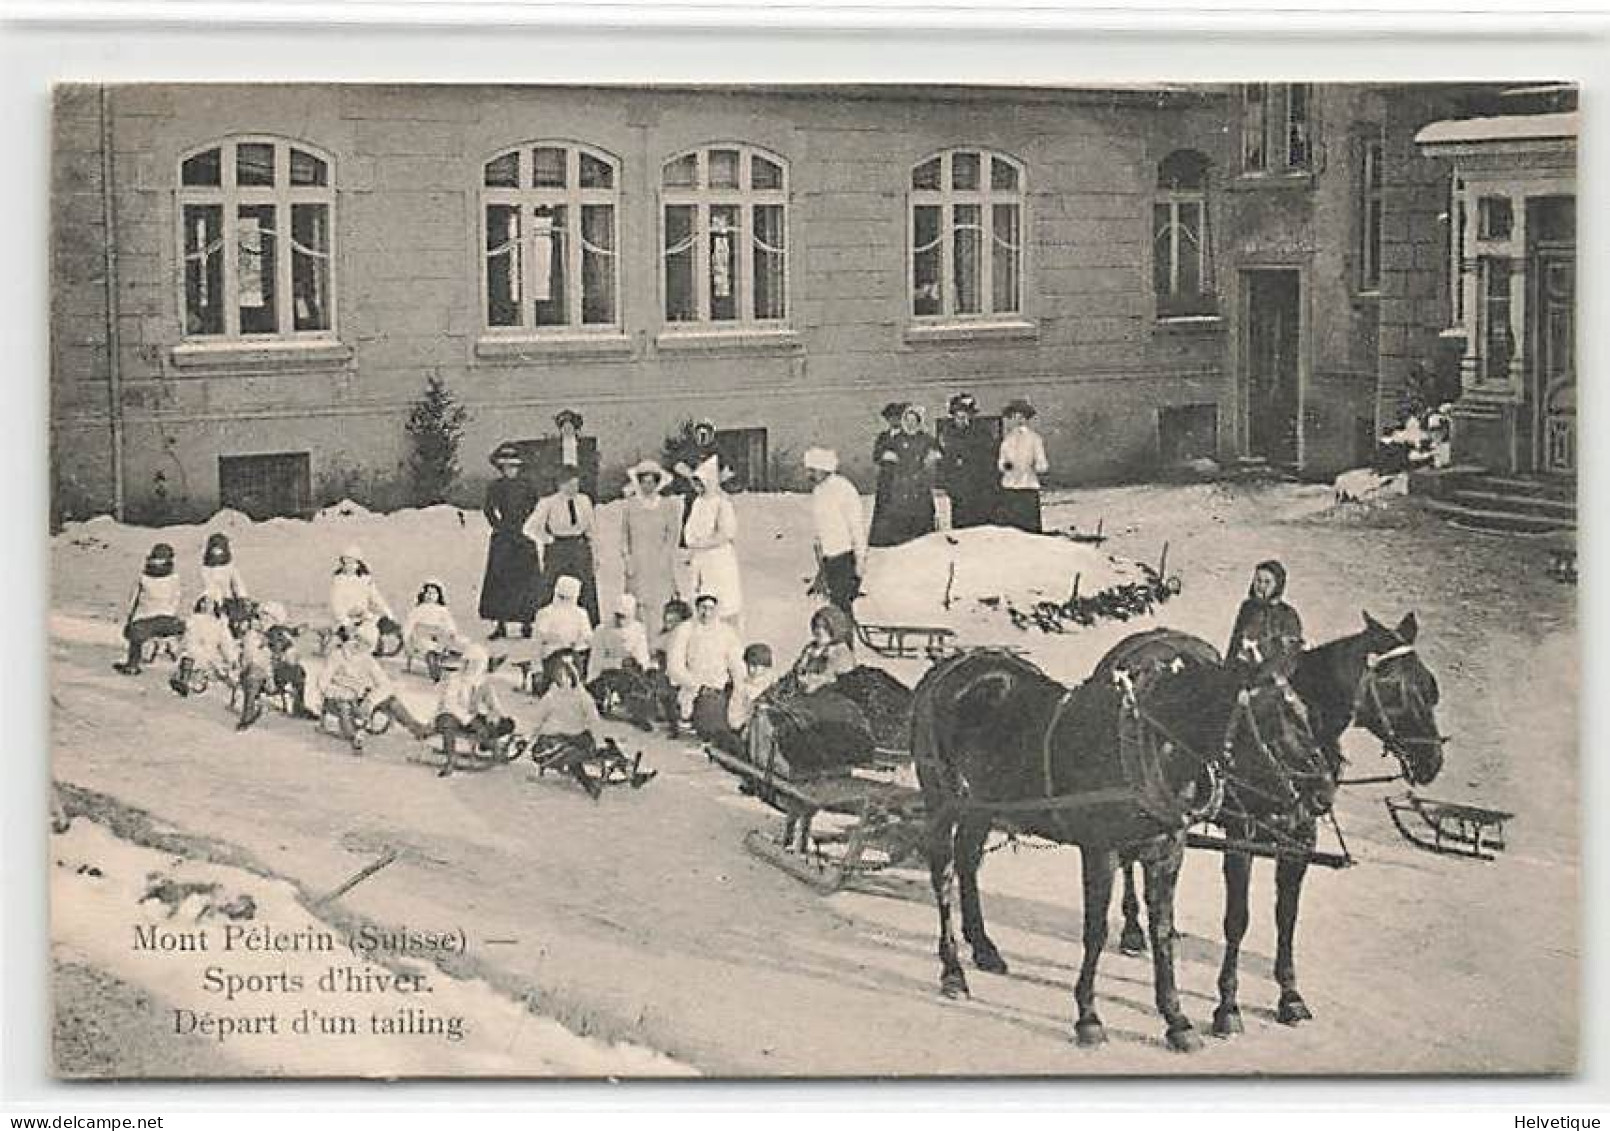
983	573
229	519
345	509
1363	485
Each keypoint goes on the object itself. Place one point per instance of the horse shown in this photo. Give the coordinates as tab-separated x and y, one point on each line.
1372	679
1119	766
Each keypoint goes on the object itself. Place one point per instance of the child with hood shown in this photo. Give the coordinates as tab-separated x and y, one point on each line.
563	625
619	665
429	630
208	645
468	705
221	581
1267	639
153	609
353	682
355	599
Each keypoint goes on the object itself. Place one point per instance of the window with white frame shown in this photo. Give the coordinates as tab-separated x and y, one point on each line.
1182	262
1276	127
724	237
256	218
966	235
549	242
1370	210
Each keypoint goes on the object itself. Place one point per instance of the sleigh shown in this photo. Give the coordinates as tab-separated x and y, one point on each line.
1449	828
883	823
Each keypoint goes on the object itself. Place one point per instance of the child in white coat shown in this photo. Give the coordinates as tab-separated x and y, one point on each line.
221	581
429	630
355	600
153	608
208	647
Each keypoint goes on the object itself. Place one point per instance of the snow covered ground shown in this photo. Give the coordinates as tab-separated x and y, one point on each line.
642	919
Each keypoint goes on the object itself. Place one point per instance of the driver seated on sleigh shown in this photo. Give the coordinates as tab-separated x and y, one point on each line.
1265	645
829	712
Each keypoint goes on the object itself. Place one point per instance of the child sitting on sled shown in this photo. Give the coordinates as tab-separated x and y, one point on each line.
562	733
354	687
468	705
153	610
429	632
221	581
268	663
619	668
355	601
209	648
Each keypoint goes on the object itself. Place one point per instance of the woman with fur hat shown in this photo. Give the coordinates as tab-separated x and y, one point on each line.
355	599
221	580
651	532
509	588
711	534
153	608
907	510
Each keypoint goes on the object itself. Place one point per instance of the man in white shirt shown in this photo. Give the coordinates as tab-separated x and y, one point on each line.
1022	461
704	659
841	539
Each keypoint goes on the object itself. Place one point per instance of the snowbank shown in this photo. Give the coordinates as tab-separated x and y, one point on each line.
977	573
1362	485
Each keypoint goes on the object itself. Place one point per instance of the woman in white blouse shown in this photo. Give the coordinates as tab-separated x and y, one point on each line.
1021	462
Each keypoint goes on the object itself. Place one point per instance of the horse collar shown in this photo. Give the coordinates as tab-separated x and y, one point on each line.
1374	659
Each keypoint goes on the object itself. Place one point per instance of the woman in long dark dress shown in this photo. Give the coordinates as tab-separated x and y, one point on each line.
908	511
884	459
509	589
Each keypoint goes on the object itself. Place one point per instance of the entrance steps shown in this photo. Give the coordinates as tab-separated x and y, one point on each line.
1474	499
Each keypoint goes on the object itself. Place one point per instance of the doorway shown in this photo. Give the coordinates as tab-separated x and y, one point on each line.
1555	434
1270	363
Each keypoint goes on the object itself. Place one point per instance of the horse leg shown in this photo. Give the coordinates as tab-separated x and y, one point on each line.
1132	939
1237	881
942	873
971	832
1162	878
1096	868
1288	891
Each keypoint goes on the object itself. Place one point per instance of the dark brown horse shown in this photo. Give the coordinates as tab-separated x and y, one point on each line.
1372	679
1117	766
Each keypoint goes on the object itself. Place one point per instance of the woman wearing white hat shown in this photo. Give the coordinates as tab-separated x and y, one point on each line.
651	530
711	532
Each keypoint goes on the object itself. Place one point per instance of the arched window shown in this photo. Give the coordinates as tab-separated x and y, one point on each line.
724	237
256	218
966	235
1182	264
549	245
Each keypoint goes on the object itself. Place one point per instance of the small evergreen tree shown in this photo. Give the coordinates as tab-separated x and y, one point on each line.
435	429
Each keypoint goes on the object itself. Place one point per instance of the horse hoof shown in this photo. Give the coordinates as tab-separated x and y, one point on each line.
954	985
1292	1009
989	961
1184	1039
1132	942
1089	1032
1227	1022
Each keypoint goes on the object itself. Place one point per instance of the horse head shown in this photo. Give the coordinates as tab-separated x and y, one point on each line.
1396	698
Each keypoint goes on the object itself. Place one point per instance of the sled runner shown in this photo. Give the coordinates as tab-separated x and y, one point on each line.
906	641
886	820
1449	828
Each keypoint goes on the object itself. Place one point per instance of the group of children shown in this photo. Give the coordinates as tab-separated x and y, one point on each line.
254	649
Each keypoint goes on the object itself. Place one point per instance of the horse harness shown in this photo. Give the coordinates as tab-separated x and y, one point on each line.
1368	693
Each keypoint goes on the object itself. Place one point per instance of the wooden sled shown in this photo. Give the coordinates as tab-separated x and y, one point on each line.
1449	828
906	641
886	818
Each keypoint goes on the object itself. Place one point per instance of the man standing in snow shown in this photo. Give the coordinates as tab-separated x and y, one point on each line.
841	540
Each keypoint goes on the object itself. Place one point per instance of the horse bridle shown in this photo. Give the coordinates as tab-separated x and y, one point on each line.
1392	740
